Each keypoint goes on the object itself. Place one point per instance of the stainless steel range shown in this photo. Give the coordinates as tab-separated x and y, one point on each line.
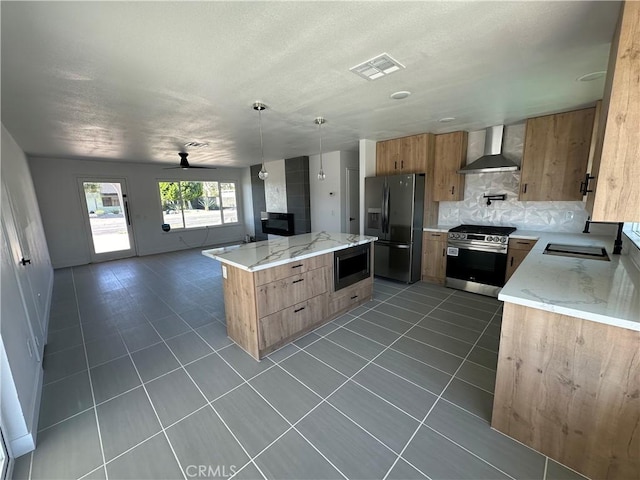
477	258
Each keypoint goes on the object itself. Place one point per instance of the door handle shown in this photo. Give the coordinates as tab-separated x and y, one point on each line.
351	219
24	261
126	210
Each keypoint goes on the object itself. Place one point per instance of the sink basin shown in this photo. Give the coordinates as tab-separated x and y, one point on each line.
576	251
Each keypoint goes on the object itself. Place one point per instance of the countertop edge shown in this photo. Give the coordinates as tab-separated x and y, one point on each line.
284	261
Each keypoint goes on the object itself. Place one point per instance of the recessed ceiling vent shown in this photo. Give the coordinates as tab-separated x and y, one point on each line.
377	67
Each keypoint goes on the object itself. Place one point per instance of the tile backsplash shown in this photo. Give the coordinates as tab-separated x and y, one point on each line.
541	216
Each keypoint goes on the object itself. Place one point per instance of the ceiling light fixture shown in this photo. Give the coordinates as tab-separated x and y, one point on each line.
196	144
400	95
447	119
259	106
319	121
590	77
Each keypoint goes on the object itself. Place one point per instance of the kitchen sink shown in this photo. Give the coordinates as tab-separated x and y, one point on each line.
576	251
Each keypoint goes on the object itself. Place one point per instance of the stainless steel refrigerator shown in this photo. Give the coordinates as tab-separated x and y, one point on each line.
394	206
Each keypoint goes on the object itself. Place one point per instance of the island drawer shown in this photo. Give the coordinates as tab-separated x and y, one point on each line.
292	268
291	321
350	296
275	296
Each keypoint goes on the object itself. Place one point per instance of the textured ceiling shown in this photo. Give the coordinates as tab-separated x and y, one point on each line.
135	81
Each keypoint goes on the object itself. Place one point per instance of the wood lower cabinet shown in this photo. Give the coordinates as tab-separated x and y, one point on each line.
450	156
615	195
434	257
518	250
272	307
555	157
568	387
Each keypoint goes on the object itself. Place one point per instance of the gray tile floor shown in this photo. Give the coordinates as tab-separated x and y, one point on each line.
141	381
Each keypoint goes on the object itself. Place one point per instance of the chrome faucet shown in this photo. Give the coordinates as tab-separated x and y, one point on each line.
617	245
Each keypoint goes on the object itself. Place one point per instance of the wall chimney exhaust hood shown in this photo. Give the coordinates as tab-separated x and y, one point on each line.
492	161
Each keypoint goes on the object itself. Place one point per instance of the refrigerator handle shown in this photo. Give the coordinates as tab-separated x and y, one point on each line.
385	208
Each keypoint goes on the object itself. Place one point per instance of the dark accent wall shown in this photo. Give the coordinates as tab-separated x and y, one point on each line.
296	173
259	201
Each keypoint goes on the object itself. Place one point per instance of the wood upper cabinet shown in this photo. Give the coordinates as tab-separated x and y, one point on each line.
434	257
556	153
616	163
450	156
403	155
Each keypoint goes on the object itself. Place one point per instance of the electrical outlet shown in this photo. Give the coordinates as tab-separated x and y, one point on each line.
568	215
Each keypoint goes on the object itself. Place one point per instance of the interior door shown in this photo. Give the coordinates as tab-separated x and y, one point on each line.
17	256
107	218
353	202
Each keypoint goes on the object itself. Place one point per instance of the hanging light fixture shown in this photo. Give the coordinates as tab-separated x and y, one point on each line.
319	121
259	106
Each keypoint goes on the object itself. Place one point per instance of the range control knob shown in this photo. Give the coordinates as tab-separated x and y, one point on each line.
489	238
503	240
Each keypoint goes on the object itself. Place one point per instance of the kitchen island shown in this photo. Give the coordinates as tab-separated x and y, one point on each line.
279	289
568	375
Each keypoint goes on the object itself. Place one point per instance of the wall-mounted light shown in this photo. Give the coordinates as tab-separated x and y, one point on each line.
319	121
259	106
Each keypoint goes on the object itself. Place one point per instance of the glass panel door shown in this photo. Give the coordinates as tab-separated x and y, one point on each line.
108	220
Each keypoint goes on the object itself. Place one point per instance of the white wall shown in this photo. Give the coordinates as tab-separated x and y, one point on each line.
325	196
543	216
275	187
61	206
367	161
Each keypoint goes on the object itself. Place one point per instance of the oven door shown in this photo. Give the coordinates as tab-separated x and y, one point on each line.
476	265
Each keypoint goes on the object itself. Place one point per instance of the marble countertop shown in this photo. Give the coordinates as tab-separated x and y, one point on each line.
270	253
605	292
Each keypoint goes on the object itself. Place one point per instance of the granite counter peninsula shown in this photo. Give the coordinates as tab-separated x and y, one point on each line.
277	290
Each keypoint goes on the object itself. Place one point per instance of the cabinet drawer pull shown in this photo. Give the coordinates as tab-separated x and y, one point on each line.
522	243
297	266
436	234
297	281
524	188
395	165
299	309
511	265
401	164
354	297
453	189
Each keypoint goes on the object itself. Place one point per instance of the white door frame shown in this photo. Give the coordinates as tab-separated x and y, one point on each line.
126	210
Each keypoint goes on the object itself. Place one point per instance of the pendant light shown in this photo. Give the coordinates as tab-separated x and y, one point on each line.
259	106
319	121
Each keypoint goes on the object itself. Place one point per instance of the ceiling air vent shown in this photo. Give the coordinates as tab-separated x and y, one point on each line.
377	67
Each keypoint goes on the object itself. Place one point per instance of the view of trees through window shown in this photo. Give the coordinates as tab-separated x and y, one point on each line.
198	204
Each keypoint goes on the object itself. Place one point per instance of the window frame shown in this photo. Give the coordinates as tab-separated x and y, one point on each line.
184	226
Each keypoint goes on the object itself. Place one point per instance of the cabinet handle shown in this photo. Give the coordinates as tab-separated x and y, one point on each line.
524	188
436	234
453	189
401	164
297	281
354	297
443	252
522	243
584	186
395	165
297	266
24	261
299	309
511	265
